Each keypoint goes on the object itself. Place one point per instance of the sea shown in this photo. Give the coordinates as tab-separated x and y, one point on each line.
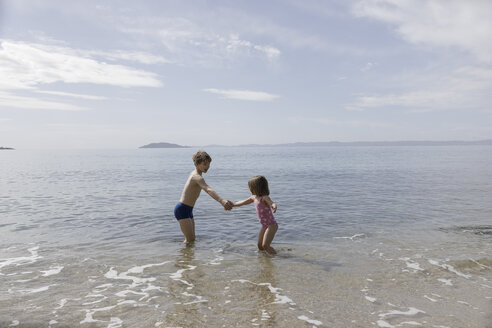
384	236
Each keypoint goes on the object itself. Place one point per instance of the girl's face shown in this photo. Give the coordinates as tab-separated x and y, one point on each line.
203	166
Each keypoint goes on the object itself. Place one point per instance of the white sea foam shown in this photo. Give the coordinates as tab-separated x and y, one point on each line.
446	282
449	268
279	299
308	320
411	312
61	303
395	313
34	291
412	264
26	280
23	260
151	287
126	292
480	264
430	299
371	299
95	302
113	274
178	275
218	258
359	235
14	323
199	299
131	302
52	271
384	324
140	269
115	323
411	323
264	315
89	314
104	286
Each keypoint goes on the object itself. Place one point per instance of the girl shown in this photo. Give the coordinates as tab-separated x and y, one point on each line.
258	186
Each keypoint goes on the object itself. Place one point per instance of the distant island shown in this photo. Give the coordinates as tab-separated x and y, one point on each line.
385	143
339	144
163	145
6	148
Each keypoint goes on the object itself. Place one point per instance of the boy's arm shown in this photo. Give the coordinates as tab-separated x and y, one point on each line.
201	182
244	202
267	200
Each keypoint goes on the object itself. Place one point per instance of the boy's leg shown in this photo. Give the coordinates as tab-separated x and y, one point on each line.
260	239
268	238
188	228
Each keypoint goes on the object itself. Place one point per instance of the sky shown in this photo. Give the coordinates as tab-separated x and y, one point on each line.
122	74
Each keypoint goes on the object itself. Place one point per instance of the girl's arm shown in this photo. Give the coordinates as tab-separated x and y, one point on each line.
244	202
268	201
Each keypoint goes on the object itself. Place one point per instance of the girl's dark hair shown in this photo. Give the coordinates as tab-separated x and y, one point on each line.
201	156
258	185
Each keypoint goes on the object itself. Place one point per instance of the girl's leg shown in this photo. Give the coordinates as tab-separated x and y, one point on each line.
268	238
260	239
188	228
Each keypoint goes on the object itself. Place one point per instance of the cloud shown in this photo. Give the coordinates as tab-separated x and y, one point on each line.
244	94
462	26
423	100
464	89
367	67
270	52
196	41
235	45
439	23
135	56
74	95
26	65
10	100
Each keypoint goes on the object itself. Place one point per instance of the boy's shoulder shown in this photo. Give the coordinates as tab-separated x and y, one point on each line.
194	175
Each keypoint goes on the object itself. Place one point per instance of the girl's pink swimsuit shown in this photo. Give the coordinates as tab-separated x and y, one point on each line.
264	213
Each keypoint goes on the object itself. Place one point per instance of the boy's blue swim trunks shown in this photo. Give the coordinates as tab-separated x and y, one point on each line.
183	211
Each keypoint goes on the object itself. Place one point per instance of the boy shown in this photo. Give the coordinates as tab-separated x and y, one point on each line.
183	211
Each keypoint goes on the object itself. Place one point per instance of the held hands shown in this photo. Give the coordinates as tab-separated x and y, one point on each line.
227	204
274	207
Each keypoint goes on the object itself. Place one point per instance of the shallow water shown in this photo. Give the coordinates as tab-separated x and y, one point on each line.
368	237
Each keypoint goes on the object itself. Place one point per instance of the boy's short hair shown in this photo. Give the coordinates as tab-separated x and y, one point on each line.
201	156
